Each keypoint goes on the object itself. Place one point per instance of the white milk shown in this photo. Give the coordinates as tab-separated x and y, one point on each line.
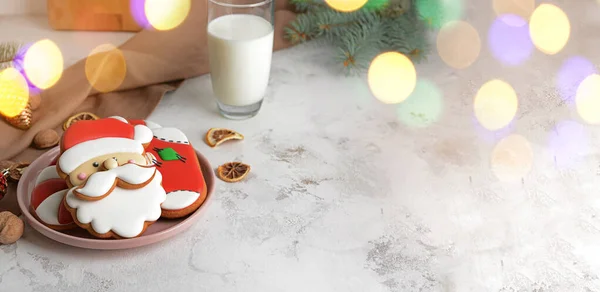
240	48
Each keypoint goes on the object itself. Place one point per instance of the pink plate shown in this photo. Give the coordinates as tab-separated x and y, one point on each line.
161	230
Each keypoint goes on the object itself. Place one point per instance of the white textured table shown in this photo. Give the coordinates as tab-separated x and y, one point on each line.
344	197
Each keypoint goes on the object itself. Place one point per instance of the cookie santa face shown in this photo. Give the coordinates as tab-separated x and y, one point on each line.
91	146
120	202
103	162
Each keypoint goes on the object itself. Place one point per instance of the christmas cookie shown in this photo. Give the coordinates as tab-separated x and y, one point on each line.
47	174
123	212
88	146
47	198
178	163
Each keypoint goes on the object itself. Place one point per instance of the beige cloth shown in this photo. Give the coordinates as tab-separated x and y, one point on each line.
157	62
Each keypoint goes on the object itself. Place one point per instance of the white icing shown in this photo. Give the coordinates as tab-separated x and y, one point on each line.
142	134
100	183
82	152
179	199
122	119
123	211
46	174
47	211
170	134
152	125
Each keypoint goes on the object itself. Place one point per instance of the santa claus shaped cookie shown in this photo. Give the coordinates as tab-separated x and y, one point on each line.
47	197
113	191
176	159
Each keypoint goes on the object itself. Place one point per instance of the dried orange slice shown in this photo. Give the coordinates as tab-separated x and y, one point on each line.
216	136
233	171
79	117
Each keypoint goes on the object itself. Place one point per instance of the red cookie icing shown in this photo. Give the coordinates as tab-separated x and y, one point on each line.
80	131
182	174
177	174
45	190
64	216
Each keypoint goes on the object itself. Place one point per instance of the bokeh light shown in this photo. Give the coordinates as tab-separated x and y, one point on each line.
569	143
423	107
550	28
43	64
346	5
522	8
458	44
509	40
14	92
572	72
495	104
392	77
512	158
439	12
492	136
588	99
166	15
138	13
105	68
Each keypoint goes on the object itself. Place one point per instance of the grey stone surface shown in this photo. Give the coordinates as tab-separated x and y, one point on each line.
345	197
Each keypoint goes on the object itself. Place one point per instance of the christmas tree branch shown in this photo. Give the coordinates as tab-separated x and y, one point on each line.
380	25
8	52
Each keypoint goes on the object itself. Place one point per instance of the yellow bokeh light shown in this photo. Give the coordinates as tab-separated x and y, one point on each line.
549	28
346	5
512	158
392	77
43	64
14	92
522	8
495	104
105	68
587	99
458	44
166	14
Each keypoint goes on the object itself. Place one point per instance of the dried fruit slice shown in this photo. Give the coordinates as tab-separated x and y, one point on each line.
79	117
233	171
17	170
216	136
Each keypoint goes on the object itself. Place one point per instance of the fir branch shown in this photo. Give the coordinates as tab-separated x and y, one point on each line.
335	24
407	35
359	46
308	5
359	36
8	52
301	29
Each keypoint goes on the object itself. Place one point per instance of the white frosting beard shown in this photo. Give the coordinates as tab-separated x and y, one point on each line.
123	211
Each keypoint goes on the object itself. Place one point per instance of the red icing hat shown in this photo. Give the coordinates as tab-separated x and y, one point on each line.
85	140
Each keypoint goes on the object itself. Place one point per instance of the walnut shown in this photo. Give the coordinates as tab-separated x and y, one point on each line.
11	227
46	139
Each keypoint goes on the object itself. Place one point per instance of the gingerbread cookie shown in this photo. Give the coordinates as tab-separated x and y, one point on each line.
87	145
123	210
178	163
46	200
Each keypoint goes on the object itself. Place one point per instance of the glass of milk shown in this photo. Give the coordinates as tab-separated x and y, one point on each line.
240	46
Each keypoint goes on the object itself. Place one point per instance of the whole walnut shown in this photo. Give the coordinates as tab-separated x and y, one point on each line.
11	227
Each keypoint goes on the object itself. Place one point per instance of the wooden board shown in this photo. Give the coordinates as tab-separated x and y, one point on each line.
94	15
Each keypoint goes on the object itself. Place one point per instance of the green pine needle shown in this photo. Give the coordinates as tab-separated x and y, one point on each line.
8	52
380	26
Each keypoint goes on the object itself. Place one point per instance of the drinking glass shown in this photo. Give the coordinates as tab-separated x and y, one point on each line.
240	46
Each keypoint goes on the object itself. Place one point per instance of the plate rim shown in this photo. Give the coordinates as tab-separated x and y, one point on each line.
104	244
